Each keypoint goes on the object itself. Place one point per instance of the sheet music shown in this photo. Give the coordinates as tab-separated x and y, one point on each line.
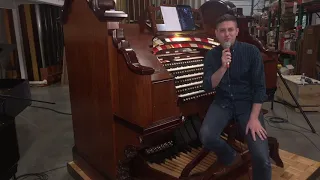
170	18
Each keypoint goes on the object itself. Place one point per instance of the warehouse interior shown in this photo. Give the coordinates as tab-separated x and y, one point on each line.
66	68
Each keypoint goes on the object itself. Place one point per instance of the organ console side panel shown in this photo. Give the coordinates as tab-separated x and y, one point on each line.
134	91
113	54
134	86
90	90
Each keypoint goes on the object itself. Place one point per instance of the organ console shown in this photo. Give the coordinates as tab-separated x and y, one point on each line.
137	99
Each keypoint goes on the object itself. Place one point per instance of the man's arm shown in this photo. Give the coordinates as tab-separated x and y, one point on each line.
212	72
258	82
209	67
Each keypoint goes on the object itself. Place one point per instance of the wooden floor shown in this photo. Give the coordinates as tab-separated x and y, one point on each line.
295	168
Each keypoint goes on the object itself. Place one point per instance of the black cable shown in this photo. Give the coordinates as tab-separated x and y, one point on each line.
296	132
4	97
280	120
59	112
287	116
37	176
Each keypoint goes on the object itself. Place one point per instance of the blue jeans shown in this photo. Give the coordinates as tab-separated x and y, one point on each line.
216	120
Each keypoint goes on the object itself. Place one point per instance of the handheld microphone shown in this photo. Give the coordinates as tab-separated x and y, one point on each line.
227	45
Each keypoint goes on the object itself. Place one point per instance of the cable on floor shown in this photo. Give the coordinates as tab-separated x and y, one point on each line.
278	120
37	176
296	132
59	112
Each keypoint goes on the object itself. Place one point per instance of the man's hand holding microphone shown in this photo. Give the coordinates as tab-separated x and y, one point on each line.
226	55
226	60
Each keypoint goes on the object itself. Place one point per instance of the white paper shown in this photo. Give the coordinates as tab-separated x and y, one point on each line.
170	18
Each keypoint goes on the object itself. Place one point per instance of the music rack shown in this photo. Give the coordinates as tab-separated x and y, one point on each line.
151	18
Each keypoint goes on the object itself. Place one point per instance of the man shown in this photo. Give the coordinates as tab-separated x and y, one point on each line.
237	75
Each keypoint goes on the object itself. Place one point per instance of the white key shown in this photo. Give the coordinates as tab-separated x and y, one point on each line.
185	67
188	85
188	58
192	93
173	54
189	75
168	54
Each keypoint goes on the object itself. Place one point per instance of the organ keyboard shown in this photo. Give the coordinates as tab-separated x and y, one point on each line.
143	95
183	56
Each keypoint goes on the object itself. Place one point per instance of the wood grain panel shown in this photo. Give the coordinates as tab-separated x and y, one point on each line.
113	59
165	102
90	91
134	91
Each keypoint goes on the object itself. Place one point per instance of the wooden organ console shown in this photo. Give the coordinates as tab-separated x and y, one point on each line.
137	99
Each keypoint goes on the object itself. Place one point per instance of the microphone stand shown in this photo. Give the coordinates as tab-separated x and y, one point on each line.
295	100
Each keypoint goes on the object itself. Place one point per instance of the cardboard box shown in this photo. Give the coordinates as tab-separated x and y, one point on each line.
307	95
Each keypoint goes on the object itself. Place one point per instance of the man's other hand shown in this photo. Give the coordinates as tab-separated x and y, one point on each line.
255	127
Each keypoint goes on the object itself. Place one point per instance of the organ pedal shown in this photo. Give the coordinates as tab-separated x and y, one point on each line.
191	161
183	157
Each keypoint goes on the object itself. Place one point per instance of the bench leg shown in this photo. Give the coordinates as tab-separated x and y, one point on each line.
274	151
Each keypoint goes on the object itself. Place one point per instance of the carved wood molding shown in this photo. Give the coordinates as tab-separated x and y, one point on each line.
129	54
124	166
133	63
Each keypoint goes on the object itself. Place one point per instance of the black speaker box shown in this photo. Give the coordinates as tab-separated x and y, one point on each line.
9	149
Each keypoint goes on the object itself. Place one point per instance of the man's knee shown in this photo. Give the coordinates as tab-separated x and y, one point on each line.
208	136
213	124
259	151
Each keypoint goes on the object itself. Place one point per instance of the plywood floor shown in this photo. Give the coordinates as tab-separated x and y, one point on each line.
295	167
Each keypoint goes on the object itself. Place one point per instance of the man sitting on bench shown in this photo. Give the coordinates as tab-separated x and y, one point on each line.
235	70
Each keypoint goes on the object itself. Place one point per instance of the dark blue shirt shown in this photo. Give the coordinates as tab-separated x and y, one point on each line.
243	81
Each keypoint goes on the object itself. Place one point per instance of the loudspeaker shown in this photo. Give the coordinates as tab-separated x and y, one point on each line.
9	148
